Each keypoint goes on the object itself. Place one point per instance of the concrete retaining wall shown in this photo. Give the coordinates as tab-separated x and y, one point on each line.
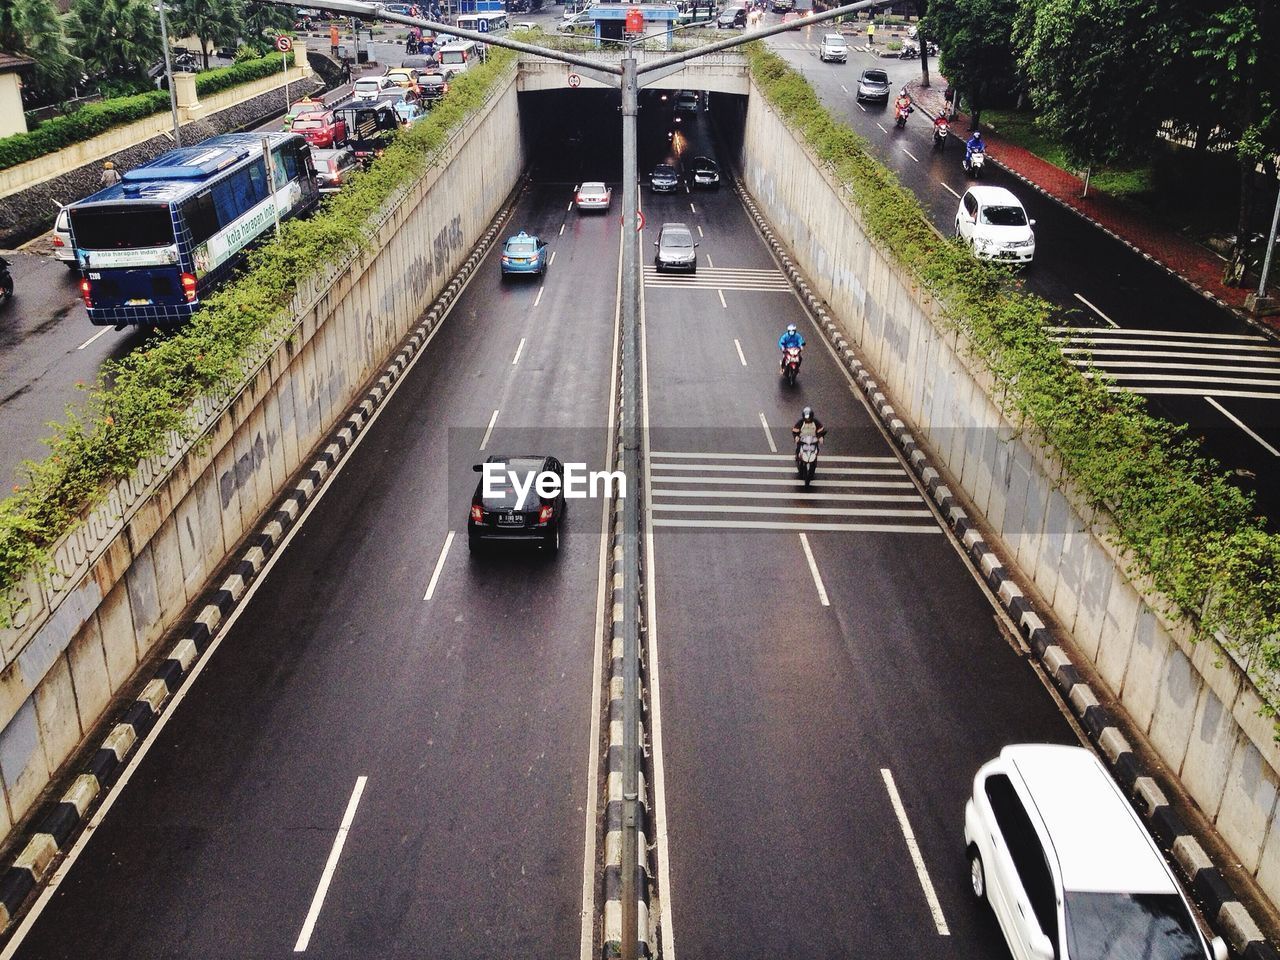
1201	717
125	576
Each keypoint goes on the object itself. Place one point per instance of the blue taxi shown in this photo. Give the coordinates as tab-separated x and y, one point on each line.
524	254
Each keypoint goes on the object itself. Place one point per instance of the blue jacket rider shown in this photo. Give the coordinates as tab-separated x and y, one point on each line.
974	145
790	338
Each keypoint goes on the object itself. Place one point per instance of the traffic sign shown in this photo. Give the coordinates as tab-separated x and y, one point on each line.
484	26
575	81
284	44
639	220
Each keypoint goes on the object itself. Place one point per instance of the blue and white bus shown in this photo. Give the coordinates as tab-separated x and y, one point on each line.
153	245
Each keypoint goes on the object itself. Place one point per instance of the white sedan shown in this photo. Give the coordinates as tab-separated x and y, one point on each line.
593	196
992	221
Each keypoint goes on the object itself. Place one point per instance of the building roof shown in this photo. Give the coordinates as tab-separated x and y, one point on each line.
1100	844
10	62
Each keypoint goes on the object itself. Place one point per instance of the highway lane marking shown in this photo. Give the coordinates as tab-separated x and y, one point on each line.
844	88
861	107
784	525
538	299
702	468
140	754
1193	392
701	234
921	871
881	126
788	495
1241	424
100	333
304	938
741	357
1095	309
1095	351
813	569
709	263
722	303
767	435
666	923
561	233
785	482
570	208
700	455
692	209
910	154
947	188
519	350
1109	365
586	939
1161	377
790	511
435	574
489	432
1136	335
553	258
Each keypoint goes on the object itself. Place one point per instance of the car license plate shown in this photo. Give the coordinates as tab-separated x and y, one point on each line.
511	520
138	302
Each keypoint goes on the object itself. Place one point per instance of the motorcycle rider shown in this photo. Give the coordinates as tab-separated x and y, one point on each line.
973	145
808	426
790	338
902	105
940	124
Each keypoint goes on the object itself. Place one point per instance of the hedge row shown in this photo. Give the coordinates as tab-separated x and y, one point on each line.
140	400
1192	532
96	118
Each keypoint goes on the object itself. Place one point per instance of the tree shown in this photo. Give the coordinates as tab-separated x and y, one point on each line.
118	39
257	20
35	29
214	23
975	47
1234	47
1078	60
922	37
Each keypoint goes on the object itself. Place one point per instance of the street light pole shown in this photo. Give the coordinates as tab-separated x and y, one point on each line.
1271	246
168	73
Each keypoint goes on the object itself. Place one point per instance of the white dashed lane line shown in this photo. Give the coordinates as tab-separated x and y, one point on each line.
773	447
741	356
553	258
722	303
435	574
813	569
538	299
1095	310
949	190
104	330
913	848
519	350
317	902
881	126
1242	425
489	430
910	154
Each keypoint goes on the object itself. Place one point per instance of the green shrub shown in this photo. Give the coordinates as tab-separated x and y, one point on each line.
140	399
96	118
1187	527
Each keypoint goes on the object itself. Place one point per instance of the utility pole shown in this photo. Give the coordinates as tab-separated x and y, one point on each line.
168	75
1271	246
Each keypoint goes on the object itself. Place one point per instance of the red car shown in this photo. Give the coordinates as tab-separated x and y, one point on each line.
321	128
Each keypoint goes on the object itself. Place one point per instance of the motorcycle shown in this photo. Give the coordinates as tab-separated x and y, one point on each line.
973	163
900	115
940	132
6	281
791	365
909	51
807	458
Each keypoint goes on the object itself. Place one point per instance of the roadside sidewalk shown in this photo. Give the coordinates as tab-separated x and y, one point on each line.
1195	265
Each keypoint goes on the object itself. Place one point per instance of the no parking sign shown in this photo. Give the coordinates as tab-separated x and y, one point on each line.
284	44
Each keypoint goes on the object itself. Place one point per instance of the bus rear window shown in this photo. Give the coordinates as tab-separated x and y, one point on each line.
126	227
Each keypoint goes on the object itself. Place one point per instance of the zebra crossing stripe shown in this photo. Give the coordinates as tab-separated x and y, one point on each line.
812	527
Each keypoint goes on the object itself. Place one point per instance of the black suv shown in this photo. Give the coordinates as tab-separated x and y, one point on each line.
536	520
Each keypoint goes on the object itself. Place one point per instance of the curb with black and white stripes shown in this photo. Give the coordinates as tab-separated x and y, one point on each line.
1222	908
56	828
614	806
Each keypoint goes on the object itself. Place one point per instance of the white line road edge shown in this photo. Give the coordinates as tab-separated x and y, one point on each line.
1095	310
741	356
1241	424
667	947
813	569
587	935
773	447
489	430
519	350
947	187
103	331
921	871
317	902
435	574
20	934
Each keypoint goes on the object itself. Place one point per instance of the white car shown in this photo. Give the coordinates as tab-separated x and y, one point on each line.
370	88
1068	868
833	49
62	248
993	223
593	196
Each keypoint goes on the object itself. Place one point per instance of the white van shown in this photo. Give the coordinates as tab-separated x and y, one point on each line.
833	49
458	56
1067	866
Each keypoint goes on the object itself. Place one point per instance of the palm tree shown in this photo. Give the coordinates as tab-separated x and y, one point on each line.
213	22
118	39
35	29
259	19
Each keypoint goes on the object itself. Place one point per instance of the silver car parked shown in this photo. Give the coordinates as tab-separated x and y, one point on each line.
676	248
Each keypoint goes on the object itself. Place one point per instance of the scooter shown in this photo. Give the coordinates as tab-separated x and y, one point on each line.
900	115
909	50
6	281
940	132
807	458
973	163
791	365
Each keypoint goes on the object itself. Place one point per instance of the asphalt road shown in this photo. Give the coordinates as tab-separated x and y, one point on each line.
781	702
1200	364
469	712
